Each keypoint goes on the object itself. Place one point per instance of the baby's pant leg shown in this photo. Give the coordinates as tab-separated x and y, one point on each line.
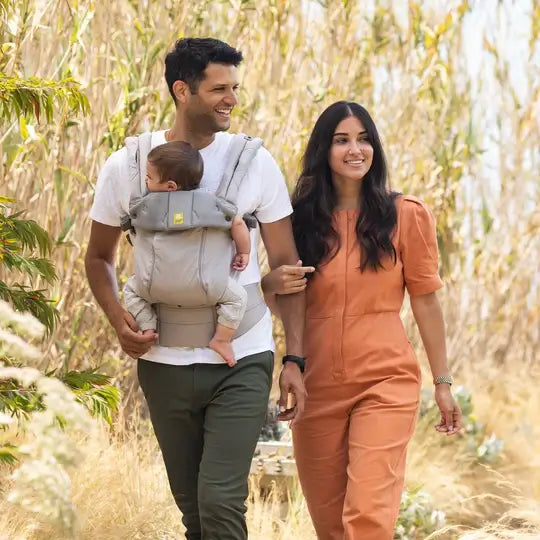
232	305
141	309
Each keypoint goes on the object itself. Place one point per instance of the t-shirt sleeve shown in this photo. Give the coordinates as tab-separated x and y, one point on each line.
419	251
111	197
275	203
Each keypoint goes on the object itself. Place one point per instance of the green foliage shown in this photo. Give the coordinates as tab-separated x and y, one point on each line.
25	232
24	298
95	391
139	95
92	389
24	247
17	401
8	454
417	517
34	97
40	483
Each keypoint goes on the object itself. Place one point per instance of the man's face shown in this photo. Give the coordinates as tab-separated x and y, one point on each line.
210	108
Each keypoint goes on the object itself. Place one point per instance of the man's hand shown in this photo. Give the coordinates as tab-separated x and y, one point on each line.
291	382
286	279
99	264
131	340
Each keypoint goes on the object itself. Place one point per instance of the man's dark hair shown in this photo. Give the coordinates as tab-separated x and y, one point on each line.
191	56
180	162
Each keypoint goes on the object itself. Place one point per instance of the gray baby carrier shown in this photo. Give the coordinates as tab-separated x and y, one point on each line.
183	246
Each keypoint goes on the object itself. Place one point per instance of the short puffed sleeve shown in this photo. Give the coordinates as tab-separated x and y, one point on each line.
418	246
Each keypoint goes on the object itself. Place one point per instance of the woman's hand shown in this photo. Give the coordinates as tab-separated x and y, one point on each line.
286	279
450	412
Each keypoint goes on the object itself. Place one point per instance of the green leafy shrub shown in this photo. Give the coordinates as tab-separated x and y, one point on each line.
24	248
19	401
417	517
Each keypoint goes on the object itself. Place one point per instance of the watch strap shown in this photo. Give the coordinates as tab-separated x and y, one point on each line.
298	360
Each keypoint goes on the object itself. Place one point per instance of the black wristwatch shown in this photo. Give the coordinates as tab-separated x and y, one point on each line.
298	360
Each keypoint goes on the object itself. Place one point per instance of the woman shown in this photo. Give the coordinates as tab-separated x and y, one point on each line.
368	244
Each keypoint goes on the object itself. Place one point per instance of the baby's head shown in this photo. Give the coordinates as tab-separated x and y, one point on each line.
172	166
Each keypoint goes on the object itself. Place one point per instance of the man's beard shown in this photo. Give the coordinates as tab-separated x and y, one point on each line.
206	123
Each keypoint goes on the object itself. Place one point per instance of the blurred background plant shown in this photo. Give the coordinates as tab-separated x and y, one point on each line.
43	413
458	112
20	239
417	517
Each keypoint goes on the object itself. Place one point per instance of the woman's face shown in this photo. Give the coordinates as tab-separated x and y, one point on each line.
351	154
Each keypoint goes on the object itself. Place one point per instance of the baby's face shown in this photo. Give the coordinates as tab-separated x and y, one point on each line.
153	180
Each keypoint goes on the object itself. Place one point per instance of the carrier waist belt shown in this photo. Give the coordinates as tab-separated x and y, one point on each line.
194	327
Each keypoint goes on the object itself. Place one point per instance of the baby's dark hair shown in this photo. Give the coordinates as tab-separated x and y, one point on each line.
180	162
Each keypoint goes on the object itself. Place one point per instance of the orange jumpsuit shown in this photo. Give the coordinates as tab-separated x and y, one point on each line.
362	379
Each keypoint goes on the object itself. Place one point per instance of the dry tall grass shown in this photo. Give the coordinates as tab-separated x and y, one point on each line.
121	492
467	142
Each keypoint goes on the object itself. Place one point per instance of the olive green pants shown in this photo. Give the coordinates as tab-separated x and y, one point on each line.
207	419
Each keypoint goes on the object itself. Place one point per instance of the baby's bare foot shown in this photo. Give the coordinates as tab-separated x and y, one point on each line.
224	349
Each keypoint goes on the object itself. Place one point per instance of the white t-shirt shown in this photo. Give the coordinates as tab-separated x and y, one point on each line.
263	192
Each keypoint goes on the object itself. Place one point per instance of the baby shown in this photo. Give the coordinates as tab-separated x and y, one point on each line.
176	166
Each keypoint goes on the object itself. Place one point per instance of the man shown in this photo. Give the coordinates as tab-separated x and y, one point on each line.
207	416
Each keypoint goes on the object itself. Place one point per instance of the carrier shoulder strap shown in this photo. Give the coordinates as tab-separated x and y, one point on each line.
138	149
242	149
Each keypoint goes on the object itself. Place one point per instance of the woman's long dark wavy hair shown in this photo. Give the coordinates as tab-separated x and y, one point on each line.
315	199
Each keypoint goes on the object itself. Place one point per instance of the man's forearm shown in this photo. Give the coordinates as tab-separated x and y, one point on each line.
102	280
292	310
279	242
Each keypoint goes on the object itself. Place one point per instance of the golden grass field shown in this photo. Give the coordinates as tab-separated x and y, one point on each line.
465	140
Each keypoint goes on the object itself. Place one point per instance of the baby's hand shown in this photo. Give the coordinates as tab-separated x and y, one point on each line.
149	331
240	261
